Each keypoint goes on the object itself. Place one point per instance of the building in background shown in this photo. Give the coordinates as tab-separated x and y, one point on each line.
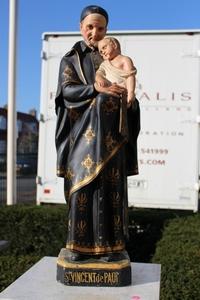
27	140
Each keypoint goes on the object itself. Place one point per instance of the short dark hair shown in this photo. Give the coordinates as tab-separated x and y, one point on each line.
93	9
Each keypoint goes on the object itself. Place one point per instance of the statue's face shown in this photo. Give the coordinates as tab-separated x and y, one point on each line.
93	28
107	49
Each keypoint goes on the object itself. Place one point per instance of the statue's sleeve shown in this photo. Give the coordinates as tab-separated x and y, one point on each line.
72	87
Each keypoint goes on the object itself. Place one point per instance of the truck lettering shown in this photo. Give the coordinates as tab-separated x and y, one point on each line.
158	96
185	96
154	151
152	162
163	133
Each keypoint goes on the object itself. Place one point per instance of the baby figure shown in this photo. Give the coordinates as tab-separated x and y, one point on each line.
116	68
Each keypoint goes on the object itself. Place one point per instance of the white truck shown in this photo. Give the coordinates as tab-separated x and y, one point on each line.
168	89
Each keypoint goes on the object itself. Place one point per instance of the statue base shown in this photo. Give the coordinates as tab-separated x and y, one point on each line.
94	271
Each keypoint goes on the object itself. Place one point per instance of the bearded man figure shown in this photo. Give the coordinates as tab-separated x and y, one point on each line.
94	154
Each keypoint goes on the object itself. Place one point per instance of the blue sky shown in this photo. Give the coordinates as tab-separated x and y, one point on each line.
38	16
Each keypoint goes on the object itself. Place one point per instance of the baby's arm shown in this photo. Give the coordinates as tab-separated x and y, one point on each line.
101	80
131	89
130	81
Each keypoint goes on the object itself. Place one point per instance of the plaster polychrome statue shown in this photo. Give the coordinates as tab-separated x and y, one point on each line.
94	154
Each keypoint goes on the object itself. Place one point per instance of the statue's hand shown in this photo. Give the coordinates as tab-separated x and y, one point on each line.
114	89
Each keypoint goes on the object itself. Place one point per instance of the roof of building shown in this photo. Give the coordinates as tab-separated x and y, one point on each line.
20	116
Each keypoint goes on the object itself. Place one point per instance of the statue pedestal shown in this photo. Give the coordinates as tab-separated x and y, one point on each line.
39	283
93	271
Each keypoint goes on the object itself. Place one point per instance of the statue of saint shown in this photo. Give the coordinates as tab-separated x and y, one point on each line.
96	141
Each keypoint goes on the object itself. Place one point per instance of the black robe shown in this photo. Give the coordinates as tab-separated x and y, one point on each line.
96	141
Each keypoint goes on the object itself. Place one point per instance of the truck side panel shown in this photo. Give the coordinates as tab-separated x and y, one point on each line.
168	145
